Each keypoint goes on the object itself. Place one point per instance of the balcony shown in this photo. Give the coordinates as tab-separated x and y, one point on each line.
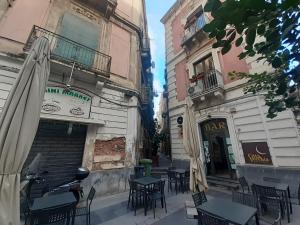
146	54
69	52
106	7
194	31
145	95
211	85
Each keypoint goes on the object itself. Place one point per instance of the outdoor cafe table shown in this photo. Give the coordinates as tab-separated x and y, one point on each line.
181	173
232	212
146	182
50	201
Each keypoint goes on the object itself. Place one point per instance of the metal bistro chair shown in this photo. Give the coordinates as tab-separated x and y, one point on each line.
172	179
244	184
187	180
207	219
272	213
57	215
158	195
135	194
199	198
86	210
296	200
245	199
139	171
265	195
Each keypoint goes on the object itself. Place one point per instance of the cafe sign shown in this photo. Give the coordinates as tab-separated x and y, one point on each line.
60	101
257	153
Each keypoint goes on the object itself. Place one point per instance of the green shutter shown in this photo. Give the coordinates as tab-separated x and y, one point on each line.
82	32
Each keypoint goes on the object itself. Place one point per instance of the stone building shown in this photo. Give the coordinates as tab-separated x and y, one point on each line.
234	134
98	108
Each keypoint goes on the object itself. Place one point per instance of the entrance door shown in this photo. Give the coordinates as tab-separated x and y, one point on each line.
217	148
61	147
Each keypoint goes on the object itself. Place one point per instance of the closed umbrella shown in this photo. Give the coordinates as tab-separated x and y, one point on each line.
191	146
18	125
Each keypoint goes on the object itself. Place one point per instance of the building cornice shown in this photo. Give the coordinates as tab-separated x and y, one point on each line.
173	8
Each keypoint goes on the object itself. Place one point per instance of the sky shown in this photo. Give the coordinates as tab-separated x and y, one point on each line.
156	9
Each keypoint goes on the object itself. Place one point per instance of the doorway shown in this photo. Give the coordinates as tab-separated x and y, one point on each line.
217	147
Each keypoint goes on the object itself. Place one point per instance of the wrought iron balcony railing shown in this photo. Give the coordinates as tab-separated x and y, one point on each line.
145	94
194	28
67	51
210	82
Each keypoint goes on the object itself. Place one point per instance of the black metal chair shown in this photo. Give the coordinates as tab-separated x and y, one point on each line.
207	219
56	215
245	199
271	213
86	210
187	180
199	198
266	194
296	200
158	195
136	194
244	184
139	171
172	179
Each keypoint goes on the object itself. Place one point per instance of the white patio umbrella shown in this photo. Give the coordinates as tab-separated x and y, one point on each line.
18	125
191	146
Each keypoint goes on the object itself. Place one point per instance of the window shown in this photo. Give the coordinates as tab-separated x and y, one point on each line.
82	32
204	65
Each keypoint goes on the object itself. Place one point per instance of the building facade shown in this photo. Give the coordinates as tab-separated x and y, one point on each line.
235	136
98	109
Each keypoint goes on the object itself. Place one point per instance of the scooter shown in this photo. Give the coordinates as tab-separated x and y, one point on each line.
73	186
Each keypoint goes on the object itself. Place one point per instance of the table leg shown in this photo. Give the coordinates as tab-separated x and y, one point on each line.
256	219
289	198
287	205
145	200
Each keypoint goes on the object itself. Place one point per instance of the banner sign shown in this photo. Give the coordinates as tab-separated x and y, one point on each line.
257	153
60	101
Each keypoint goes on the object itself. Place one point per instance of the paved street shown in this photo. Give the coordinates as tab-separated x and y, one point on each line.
112	210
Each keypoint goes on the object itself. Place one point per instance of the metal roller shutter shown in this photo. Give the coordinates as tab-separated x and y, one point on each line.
61	152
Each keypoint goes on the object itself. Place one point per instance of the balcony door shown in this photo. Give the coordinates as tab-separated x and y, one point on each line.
204	65
204	69
82	33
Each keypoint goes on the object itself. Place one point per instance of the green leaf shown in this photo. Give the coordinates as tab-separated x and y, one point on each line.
212	5
242	55
239	41
208	27
261	29
226	49
221	34
274	23
252	20
239	28
250	38
276	63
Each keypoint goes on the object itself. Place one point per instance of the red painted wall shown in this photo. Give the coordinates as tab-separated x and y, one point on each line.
20	18
182	80
178	30
230	62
